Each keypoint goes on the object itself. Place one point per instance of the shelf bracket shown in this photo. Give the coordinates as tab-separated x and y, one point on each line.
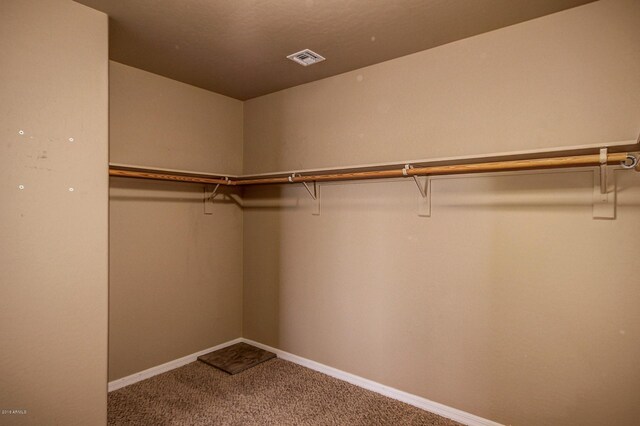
604	190
424	189
209	197
603	171
315	194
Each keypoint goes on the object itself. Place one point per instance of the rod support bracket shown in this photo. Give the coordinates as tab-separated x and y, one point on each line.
209	196
604	189
424	190
314	193
213	193
603	170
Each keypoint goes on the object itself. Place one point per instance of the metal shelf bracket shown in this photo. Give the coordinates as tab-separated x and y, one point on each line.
209	197
604	185
604	190
315	194
424	198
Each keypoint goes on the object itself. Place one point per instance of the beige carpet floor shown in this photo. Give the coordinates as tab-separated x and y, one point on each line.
276	392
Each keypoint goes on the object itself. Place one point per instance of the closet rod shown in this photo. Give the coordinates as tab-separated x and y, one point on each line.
497	166
168	176
532	164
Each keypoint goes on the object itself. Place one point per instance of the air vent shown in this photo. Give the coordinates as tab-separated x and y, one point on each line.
306	57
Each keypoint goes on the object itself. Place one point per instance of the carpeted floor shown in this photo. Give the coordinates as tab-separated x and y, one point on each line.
276	392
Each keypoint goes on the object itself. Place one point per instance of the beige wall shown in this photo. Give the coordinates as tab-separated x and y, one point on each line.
176	273
53	241
159	122
511	302
566	79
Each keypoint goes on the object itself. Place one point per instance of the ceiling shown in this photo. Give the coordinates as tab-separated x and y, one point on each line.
238	47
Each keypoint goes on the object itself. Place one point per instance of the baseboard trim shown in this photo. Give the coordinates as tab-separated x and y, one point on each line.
163	368
417	401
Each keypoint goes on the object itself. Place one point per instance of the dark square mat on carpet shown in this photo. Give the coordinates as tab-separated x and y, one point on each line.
236	358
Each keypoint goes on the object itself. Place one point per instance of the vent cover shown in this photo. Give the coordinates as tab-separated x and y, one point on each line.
306	57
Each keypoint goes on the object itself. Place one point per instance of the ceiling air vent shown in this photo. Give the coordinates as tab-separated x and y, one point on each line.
306	57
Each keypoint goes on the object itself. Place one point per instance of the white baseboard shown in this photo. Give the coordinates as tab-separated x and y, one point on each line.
163	368
417	401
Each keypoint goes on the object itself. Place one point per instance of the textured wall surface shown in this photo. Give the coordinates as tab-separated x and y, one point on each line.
53	231
511	302
175	273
